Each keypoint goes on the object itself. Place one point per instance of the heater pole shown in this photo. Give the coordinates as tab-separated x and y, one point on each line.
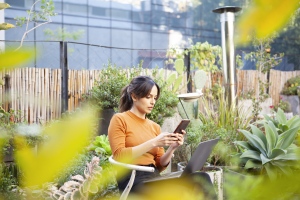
228	51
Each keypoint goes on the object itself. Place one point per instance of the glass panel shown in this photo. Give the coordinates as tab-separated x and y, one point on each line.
141	27
121	14
14	3
160	41
120	24
98	56
121	38
67	19
48	55
141	40
78	9
122	57
99	36
97	22
98	11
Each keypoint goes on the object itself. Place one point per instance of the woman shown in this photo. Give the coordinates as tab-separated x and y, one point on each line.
133	136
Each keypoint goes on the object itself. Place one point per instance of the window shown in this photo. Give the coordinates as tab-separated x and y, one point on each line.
18	3
99	11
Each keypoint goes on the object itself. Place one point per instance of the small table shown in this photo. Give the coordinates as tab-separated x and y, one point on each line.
189	97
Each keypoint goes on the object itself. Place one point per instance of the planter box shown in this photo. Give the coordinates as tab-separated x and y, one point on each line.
215	174
294	102
216	177
247	106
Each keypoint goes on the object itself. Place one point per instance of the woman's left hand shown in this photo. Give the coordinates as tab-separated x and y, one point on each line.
180	137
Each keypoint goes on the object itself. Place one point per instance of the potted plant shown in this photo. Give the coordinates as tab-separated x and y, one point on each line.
285	106
270	148
289	93
105	94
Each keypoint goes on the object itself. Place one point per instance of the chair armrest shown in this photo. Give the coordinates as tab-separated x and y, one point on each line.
130	166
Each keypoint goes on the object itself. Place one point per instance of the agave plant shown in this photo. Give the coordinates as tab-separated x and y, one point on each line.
281	122
271	148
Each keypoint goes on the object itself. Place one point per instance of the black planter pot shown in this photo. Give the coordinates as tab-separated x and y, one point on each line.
9	155
105	117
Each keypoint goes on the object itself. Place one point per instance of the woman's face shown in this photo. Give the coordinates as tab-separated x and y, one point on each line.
145	105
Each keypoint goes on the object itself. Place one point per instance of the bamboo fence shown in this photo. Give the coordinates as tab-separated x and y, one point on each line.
36	92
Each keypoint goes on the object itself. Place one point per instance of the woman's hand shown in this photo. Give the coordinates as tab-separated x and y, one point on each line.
166	139
180	139
169	139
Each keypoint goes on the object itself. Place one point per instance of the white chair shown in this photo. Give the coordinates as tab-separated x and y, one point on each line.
134	168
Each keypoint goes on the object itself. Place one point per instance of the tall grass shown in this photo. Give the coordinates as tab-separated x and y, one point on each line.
222	119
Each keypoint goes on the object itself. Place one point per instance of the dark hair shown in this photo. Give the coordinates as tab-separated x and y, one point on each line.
140	86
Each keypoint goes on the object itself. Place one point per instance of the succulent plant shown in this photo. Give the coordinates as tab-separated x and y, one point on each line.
200	79
271	148
79	187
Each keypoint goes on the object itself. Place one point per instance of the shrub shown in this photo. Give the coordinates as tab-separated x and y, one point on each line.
107	90
283	105
290	87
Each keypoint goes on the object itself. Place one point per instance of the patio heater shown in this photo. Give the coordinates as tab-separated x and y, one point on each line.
228	51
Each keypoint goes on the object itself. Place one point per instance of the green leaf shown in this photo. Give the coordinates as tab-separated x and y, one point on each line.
177	83
285	169
255	141
280	116
271	136
264	159
287	138
179	65
271	171
267	117
171	79
252	164
244	144
288	156
294	122
256	131
251	154
283	127
277	152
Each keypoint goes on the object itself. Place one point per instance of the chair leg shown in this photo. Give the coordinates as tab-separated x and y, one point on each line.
129	186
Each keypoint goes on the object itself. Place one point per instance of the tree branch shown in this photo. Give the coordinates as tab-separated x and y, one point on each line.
27	24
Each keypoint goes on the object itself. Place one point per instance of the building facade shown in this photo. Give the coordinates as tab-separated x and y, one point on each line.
121	31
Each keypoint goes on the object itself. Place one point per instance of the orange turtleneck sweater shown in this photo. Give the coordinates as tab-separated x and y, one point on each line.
127	130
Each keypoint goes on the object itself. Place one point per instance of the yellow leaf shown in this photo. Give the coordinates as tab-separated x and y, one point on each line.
6	26
4	5
264	17
10	58
65	140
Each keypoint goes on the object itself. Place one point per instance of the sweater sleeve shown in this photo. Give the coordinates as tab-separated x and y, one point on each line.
117	136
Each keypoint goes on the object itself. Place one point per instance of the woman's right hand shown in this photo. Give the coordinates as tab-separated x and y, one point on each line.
165	139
